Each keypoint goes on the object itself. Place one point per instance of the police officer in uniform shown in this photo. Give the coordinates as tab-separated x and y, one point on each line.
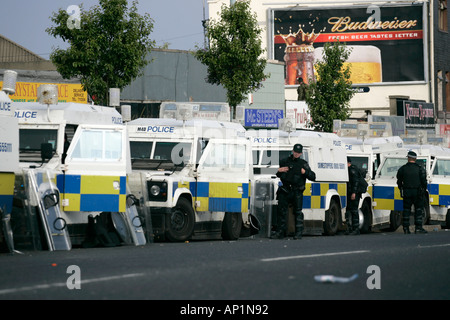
412	182
353	196
293	173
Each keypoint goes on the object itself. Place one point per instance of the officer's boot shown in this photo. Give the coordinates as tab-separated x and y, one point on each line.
420	229
298	225
418	222
280	233
348	222
355	223
406	214
281	228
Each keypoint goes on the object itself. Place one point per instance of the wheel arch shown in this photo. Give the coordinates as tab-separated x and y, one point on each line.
183	193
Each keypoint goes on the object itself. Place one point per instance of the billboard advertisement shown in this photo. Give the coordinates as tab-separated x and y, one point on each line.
67	92
267	118
386	42
299	112
418	114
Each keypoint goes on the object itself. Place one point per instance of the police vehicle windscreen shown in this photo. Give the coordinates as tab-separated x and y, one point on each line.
168	155
176	152
422	163
273	157
362	163
226	156
98	145
270	160
442	168
140	150
392	165
31	140
255	155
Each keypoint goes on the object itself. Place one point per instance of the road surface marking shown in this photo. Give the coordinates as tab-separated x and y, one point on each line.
314	255
435	245
64	284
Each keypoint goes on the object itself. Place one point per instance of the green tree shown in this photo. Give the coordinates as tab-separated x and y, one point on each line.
328	98
108	46
234	54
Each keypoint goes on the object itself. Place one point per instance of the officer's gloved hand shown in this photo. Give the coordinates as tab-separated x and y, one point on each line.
401	192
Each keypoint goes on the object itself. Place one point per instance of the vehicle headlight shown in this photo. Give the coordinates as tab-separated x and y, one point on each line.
155	190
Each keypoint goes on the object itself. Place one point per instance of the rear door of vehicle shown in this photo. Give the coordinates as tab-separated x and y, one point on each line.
223	176
95	171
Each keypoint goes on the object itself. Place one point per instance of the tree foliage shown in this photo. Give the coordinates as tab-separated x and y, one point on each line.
234	54
329	97
108	47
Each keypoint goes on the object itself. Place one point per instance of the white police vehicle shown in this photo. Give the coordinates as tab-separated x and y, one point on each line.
366	144
324	200
196	172
9	156
438	211
74	161
439	190
435	160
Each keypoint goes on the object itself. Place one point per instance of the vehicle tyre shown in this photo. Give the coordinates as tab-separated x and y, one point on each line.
331	222
366	225
447	220
395	220
180	222
231	225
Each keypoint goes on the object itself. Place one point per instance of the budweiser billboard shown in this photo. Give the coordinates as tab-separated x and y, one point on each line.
386	42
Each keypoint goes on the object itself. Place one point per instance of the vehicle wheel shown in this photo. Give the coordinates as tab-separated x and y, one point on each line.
395	220
331	223
181	221
231	225
447	220
366	225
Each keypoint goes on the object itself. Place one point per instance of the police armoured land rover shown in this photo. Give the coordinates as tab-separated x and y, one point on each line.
74	160
196	171
9	157
366	144
435	160
324	201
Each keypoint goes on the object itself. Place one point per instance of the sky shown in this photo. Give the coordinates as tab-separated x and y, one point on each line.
177	22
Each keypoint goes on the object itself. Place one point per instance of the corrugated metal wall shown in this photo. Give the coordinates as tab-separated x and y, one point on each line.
173	75
176	75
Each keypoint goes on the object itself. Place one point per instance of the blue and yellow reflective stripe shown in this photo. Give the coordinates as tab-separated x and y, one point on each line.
93	193
387	198
6	191
217	196
439	194
314	196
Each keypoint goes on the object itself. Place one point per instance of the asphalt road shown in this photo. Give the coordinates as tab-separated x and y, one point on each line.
388	266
